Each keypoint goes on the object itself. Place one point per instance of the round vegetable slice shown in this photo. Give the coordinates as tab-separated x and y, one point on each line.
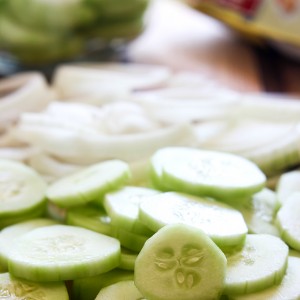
62	252
207	173
180	262
261	263
122	289
90	217
289	287
88	288
19	289
22	190
88	184
9	235
123	208
224	224
288	221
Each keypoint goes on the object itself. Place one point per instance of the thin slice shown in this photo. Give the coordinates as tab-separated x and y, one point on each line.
259	212
261	263
9	235
88	184
22	189
224	224
123	208
289	287
288	221
88	288
20	289
207	173
288	183
62	252
180	262
122	289
90	217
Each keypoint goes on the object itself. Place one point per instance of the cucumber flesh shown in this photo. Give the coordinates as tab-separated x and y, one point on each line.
9	235
128	258
62	252
123	208
180	262
224	224
122	289
22	188
88	288
88	184
19	289
288	183
206	173
261	263
259	212
289	287
90	217
288	221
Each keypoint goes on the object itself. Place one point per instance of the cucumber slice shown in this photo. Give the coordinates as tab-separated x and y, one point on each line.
55	16
132	241
261	263
207	173
180	262
224	224
288	221
259	212
123	208
19	289
128	258
62	252
288	183
22	190
289	287
88	288
88	184
9	235
122	289
90	217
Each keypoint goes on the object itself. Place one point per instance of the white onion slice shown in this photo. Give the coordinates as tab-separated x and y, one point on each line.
272	107
51	167
104	82
19	154
83	149
182	104
20	93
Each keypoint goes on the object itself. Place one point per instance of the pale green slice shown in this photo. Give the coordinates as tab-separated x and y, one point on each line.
128	239
89	184
120	290
128	258
9	234
90	217
180	262
88	288
62	252
288	184
288	221
261	263
12	288
224	224
259	212
22	189
288	289
207	173
123	208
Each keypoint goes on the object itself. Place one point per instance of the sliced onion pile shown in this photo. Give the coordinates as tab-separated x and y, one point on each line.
94	112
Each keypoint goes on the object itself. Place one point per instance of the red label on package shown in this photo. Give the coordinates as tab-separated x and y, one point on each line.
247	7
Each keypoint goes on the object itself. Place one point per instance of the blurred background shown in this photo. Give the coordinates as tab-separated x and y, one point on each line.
178	34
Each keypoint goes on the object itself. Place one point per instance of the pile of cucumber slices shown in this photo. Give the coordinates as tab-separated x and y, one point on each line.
202	226
37	32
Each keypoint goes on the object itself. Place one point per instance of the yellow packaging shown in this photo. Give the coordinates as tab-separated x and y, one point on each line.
274	20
